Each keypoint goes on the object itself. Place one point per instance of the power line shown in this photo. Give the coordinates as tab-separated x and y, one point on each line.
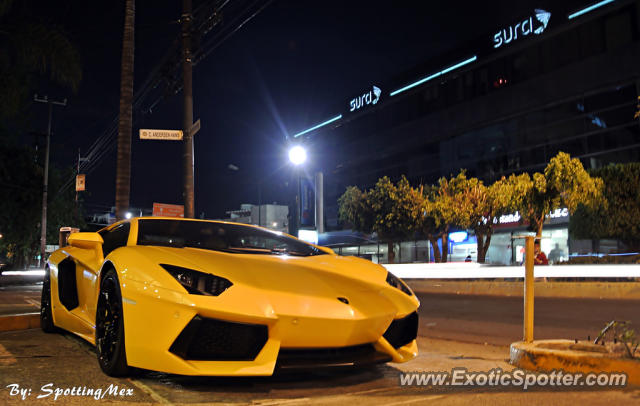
165	79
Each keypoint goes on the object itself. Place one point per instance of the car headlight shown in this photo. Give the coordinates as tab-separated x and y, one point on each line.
198	283
398	284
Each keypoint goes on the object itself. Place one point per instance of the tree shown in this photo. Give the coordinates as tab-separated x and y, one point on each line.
20	202
29	49
443	205
619	218
123	164
564	183
425	220
387	209
353	209
480	207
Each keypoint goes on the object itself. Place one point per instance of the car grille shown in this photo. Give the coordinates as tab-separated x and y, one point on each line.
205	339
342	356
402	331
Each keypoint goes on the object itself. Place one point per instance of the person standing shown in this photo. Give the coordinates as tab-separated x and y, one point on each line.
539	256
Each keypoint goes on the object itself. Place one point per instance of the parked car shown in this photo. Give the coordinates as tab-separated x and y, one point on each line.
199	297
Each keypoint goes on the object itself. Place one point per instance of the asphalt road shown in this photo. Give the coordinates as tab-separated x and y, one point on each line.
498	320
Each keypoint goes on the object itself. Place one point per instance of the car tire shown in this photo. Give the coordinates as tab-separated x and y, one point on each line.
46	318
110	347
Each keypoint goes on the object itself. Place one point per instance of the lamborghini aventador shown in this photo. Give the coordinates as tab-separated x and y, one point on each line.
198	297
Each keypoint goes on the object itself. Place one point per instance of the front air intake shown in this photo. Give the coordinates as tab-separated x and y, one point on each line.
206	339
402	331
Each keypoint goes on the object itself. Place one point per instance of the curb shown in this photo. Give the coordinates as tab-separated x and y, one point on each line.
541	356
19	321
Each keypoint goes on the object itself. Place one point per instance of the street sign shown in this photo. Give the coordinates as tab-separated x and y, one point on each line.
164	135
168	210
80	182
195	128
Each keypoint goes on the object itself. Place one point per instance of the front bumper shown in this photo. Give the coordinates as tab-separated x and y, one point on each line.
197	335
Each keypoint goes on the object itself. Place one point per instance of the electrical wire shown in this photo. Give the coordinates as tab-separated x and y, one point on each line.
168	72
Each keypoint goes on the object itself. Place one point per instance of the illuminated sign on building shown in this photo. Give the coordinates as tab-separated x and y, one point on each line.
458	236
370	97
516	217
522	29
509	218
558	213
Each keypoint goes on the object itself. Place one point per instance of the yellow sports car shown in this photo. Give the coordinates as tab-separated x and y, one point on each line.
197	297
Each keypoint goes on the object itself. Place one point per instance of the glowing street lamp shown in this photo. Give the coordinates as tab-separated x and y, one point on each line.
297	155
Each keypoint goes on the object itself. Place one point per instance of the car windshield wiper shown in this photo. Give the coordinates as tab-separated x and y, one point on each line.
259	250
285	251
248	250
266	251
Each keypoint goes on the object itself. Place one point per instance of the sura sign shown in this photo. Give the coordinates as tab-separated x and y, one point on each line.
522	28
370	97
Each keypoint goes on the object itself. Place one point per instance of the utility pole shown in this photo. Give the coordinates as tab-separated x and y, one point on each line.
45	184
187	89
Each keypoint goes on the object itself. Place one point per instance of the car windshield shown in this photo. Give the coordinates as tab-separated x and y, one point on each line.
231	238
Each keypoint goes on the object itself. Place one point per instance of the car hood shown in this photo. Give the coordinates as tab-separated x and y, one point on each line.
316	301
317	275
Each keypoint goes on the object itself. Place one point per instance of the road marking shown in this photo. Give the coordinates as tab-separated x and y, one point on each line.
6	358
420	399
327	399
154	395
33	302
279	401
373	391
87	347
16	304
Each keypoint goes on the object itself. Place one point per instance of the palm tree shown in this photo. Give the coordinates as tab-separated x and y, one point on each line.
123	168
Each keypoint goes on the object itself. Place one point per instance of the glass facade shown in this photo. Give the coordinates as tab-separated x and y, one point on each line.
554	243
504	249
573	88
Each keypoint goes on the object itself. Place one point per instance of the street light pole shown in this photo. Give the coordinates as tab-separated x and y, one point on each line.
319	187
45	184
297	156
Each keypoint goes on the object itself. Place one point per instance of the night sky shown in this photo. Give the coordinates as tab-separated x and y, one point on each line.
284	71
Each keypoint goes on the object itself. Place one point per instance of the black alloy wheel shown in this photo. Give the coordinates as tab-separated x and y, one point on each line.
110	327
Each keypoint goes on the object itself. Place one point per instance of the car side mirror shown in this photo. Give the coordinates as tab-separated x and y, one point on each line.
88	241
85	240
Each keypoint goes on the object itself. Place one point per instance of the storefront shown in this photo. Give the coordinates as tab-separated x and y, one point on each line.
507	249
